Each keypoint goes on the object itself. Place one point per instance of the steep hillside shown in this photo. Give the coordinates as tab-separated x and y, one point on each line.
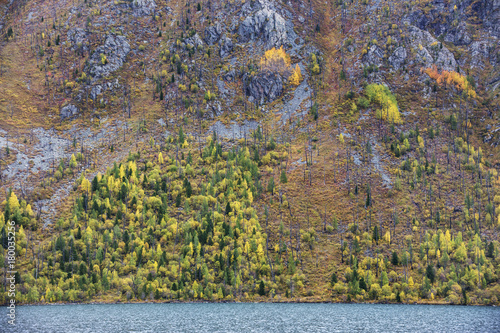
309	151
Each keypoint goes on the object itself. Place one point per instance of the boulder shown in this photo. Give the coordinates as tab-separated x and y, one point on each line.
68	112
212	33
226	46
264	87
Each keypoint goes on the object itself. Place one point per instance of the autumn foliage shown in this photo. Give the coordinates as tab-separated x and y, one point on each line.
451	78
157	233
296	76
382	96
276	60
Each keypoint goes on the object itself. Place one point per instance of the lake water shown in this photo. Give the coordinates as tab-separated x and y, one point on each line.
252	317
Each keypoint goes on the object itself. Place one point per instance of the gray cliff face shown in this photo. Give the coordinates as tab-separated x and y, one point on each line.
430	51
115	49
266	25
492	20
101	88
458	35
478	40
443	19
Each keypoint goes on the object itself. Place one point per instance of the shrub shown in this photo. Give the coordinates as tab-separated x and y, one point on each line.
209	96
362	102
194	88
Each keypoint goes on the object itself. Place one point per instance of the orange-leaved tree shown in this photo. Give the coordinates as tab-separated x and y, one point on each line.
452	78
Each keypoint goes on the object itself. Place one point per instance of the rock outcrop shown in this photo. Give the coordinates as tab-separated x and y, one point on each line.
226	46
472	25
194	41
491	135
479	51
115	49
78	38
374	56
267	25
214	110
68	112
458	35
430	51
442	16
230	76
492	16
101	88
398	58
213	33
263	87
143	7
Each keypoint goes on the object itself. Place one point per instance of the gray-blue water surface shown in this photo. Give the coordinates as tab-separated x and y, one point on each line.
252	317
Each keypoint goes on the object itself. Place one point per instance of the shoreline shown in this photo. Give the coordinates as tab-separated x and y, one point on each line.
244	302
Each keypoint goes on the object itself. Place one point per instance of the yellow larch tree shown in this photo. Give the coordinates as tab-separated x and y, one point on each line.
296	76
276	60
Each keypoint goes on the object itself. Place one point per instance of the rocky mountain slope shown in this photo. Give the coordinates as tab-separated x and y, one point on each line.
373	125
